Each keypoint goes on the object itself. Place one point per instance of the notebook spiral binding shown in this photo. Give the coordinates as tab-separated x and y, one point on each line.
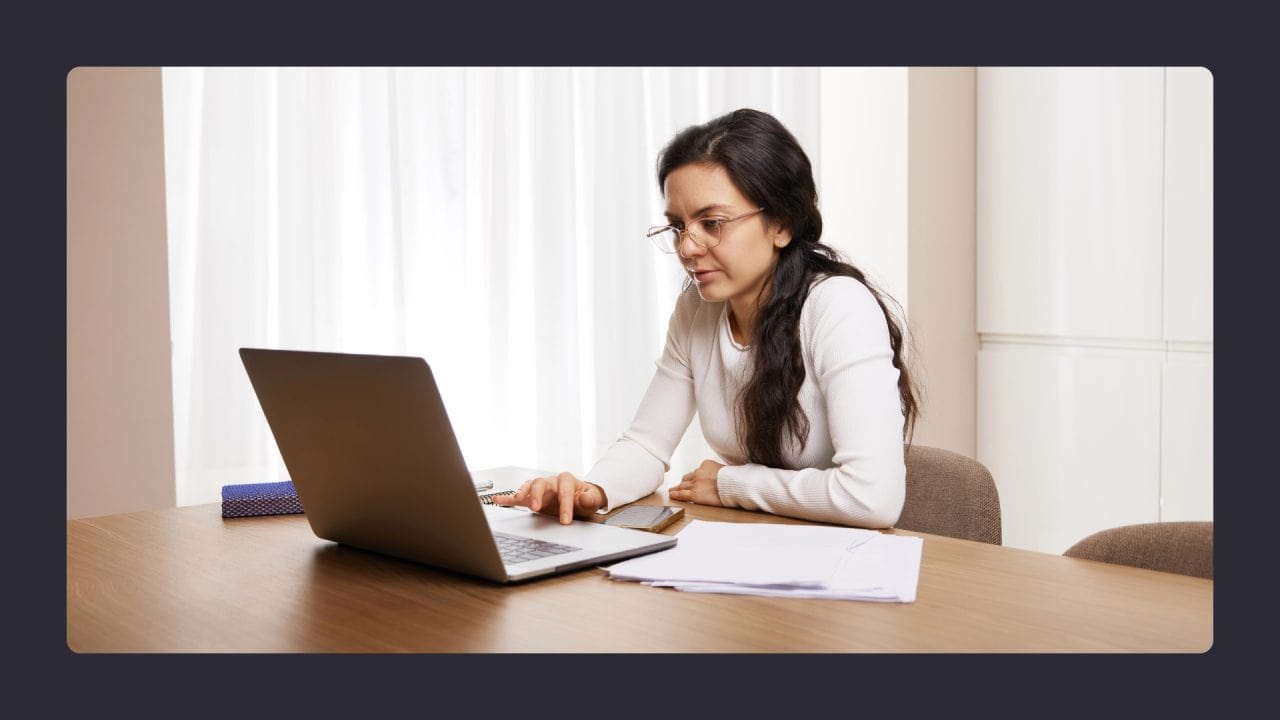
487	498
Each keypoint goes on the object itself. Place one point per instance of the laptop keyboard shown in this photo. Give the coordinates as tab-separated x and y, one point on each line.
516	549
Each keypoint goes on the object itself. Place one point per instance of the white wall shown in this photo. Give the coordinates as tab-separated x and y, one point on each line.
119	402
940	255
1186	459
896	186
1094	293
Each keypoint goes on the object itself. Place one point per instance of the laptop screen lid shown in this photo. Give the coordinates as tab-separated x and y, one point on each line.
370	449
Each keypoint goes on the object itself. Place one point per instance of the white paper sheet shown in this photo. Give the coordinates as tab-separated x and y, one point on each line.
733	564
801	561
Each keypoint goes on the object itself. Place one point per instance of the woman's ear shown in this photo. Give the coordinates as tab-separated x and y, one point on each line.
780	236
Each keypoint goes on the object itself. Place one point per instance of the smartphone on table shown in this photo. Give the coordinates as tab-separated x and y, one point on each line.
652	518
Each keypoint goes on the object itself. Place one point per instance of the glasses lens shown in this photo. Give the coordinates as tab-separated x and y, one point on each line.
708	231
663	239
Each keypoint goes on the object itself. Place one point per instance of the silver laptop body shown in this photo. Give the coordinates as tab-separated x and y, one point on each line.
373	457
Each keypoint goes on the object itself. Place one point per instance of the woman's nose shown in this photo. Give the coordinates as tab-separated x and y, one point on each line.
694	248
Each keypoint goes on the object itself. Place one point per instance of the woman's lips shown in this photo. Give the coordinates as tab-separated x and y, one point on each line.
702	277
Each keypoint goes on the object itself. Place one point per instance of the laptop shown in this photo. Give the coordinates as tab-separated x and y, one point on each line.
373	457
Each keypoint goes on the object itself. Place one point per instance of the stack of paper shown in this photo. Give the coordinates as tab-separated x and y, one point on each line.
805	561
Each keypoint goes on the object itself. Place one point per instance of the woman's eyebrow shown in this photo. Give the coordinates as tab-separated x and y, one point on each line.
700	212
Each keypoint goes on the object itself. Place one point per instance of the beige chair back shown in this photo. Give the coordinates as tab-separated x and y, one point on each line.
1185	548
950	494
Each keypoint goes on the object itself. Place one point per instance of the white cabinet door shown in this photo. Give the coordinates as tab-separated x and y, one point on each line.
1188	206
1070	195
1072	438
1186	453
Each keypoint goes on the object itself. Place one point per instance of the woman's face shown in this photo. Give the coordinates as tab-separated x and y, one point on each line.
738	267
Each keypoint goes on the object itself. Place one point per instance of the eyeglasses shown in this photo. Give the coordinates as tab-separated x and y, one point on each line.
705	232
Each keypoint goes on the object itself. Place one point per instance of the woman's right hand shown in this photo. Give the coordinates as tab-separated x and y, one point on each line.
545	494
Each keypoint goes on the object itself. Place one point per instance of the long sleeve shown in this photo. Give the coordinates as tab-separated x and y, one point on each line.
635	464
847	338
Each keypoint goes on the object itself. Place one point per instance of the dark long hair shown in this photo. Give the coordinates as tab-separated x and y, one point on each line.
769	167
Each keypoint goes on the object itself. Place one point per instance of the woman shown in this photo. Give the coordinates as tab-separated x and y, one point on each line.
789	356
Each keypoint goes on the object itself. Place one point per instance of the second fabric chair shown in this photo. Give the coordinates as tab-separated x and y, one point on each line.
1185	548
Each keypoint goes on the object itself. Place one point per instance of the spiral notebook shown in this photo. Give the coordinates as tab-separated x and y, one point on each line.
499	481
487	498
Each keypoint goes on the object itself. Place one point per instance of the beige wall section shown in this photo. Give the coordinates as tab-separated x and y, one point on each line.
941	253
119	388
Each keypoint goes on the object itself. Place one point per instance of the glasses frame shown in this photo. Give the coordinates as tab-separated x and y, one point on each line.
656	231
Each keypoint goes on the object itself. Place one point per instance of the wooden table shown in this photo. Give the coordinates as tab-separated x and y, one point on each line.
186	580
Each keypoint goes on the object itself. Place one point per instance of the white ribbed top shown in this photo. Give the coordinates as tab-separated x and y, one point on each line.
850	472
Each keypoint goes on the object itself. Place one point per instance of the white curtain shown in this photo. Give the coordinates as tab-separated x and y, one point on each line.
489	220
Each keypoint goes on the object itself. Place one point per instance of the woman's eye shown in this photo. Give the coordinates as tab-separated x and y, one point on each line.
711	224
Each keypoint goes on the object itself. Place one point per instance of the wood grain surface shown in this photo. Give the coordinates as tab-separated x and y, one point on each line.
186	580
